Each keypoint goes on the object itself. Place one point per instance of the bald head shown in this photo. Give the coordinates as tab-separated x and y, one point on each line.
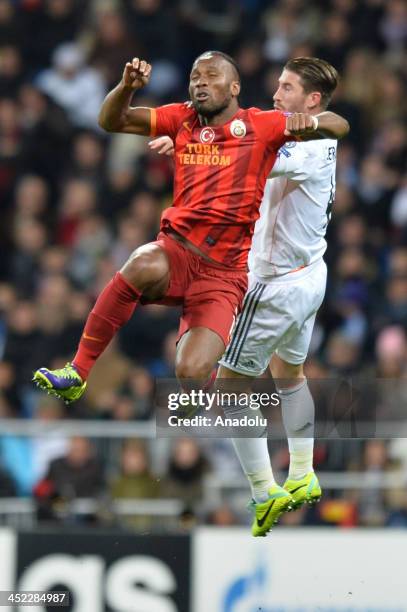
208	55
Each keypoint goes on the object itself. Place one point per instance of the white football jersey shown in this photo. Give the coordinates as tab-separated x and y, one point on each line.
295	210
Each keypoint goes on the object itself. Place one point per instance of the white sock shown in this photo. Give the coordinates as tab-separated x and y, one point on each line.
301	456
253	454
298	413
255	460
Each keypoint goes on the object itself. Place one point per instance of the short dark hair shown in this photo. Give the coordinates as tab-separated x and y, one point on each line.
226	57
316	75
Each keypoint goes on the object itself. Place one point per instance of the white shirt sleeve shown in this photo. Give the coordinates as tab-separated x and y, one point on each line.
294	161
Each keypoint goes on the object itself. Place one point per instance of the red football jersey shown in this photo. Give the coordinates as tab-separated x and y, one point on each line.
219	178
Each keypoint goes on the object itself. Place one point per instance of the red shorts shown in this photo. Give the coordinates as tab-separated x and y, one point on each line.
211	296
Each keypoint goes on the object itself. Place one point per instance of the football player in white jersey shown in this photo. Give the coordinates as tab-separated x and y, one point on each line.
287	281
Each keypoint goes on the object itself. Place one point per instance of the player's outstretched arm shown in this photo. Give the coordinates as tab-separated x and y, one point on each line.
116	114
315	127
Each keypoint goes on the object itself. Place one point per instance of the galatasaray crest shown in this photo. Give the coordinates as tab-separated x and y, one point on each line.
238	128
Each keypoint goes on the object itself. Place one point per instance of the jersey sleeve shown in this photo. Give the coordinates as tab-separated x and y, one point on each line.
294	161
270	127
166	120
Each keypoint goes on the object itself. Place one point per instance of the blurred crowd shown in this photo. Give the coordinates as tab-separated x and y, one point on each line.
57	471
75	202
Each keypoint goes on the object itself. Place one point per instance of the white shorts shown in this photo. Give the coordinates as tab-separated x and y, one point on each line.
278	316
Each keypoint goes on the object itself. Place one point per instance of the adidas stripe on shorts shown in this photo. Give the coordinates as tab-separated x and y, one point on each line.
278	316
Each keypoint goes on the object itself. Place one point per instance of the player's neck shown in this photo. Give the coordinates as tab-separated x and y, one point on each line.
221	118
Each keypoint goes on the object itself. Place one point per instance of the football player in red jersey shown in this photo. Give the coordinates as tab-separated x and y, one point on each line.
223	155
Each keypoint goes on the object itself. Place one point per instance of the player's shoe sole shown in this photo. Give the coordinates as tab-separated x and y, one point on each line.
64	383
304	491
266	514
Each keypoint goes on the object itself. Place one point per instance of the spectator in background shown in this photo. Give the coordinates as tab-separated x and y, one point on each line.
392	307
54	262
54	22
11	146
287	25
46	132
113	44
31	199
371	501
139	388
10	28
30	239
150	18
385	381
186	470
78	89
391	353
342	354
92	240
11	73
88	159
78	202
135	480
22	332
393	29
251	63
78	473
207	24
54	316
359	82
335	43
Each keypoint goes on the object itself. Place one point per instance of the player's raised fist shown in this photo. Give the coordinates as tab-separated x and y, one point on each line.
136	73
299	124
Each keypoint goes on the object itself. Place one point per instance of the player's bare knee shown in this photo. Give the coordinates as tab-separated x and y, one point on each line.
146	267
197	368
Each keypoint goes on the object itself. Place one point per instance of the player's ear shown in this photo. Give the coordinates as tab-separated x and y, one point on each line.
235	88
313	100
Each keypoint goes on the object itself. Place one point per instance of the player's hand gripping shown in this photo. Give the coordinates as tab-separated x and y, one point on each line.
300	124
136	73
162	145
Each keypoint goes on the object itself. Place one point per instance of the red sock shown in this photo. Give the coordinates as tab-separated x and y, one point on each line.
112	310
